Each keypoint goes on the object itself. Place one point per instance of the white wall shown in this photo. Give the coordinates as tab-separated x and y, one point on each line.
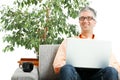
108	23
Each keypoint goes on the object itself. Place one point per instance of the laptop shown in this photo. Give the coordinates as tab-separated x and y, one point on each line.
88	53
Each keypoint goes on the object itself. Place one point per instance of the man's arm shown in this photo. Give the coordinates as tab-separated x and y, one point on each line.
114	63
60	58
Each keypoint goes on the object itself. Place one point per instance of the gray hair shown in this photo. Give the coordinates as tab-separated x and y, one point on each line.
90	9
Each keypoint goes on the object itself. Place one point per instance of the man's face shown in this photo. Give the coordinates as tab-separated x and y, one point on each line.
87	21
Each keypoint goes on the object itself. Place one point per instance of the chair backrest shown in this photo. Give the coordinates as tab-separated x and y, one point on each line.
46	57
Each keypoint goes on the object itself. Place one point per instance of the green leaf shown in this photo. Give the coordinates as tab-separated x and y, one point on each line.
35	22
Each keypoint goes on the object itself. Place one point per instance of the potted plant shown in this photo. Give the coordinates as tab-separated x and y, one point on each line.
30	23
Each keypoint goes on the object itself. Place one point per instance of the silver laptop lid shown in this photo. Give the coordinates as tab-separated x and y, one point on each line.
87	53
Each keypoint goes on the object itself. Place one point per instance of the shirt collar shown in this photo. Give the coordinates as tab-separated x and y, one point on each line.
93	36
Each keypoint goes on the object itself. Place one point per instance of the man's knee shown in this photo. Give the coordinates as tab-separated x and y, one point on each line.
111	70
67	68
68	72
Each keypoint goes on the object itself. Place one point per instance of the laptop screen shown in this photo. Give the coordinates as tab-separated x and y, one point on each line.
88	53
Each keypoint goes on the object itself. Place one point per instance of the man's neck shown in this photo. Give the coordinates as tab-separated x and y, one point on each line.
87	35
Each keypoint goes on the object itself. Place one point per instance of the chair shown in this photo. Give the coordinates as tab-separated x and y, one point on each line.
47	54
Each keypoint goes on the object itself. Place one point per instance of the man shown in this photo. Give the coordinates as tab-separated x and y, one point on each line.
87	22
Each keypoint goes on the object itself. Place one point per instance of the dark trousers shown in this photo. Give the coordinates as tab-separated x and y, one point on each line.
68	72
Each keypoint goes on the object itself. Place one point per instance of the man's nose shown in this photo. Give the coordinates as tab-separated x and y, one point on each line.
85	20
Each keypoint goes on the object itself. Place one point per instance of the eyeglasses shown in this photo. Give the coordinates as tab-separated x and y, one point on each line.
89	18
